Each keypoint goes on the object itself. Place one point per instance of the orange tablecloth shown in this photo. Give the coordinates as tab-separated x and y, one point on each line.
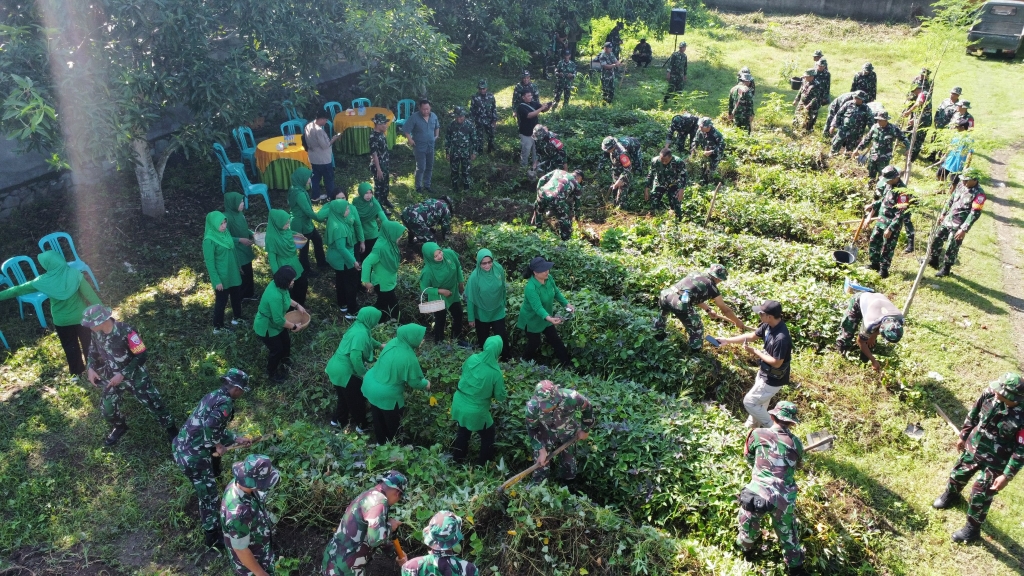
343	122
276	166
355	131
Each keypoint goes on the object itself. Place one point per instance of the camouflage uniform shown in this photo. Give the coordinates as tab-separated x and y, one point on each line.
697	287
702	142
808	100
550	151
244	518
633	150
867	81
833	109
890	325
850	122
823	78
993	436
363	527
774	453
921	119
441	535
559	194
381	186
460	145
520	88
615	38
667	179
484	111
677	64
551	421
565	73
883	141
682	131
741	106
607	76
945	113
890	219
962	210
957	117
422	218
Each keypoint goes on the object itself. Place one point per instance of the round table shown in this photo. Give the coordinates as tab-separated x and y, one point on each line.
355	130
276	166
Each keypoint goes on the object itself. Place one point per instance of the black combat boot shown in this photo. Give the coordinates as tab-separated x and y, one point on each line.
969	533
946	499
874	266
943	272
910	246
934	262
215	539
797	570
115	435
172	433
883	272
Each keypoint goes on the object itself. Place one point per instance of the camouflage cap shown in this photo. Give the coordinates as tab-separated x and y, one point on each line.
459	112
705	122
925	71
810	72
957	90
395	479
236	378
95	315
823	62
892	329
256	472
443	532
964	104
890	172
746	77
744	70
682	44
718	271
972	173
883	115
607	143
609	45
1008	386
526	73
860	95
481	84
540	132
566	52
785	411
868	66
379	118
547	394
818	53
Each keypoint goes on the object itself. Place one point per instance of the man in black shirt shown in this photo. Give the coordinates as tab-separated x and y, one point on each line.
774	361
527	115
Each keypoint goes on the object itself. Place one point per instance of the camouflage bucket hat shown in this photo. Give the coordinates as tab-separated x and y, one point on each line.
882	116
460	112
607	143
395	479
746	77
540	132
95	315
892	329
810	72
957	90
718	271
379	118
237	379
965	104
547	394
525	73
443	532
868	66
256	472
860	95
481	84
890	172
1008	386
682	44
818	53
705	122
972	173
785	411
823	62
744	70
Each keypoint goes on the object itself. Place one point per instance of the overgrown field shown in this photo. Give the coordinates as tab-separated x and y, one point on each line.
662	469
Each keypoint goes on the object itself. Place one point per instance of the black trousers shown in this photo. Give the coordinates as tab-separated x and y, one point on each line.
485	329
387	303
441	320
299	289
645	61
461	447
351	406
551	335
75	340
386	423
360	256
220	302
248	287
279	349
346	287
318	250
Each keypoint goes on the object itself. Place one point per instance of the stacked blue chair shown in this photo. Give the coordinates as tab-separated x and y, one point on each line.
226	165
292	127
16	276
247	144
250	189
404	111
333	108
289	110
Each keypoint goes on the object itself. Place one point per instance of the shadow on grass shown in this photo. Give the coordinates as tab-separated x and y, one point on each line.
888	504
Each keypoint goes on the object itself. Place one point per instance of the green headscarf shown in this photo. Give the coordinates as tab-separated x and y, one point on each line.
406	339
488	288
387	250
300	177
213	221
278	240
338	225
237	226
369	317
439	274
365	208
60	281
481	367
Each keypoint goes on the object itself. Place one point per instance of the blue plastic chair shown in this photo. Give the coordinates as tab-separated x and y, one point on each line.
289	110
293	127
16	276
364	101
250	189
4	340
333	108
247	144
52	242
226	165
4	282
404	110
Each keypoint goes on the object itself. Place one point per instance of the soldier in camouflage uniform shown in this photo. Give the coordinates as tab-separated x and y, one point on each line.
421	219
484	111
380	162
741	103
364	526
666	177
807	102
676	74
991	445
203	439
710	144
962	114
524	85
694	291
550	150
948	108
622	154
920	113
560	194
889	205
247	524
682	131
614	39
551	422
879	316
883	137
961	212
833	109
441	535
117	356
849	123
823	78
609	63
753	83
565	73
460	146
867	81
922	81
774	453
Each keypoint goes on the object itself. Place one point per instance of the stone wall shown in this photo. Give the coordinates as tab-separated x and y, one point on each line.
868	10
24	194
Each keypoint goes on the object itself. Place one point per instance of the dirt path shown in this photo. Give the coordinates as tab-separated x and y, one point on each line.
1009	255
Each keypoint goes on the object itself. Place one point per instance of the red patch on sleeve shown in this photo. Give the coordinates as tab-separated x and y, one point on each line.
1020	437
135	343
557	143
903	199
979	202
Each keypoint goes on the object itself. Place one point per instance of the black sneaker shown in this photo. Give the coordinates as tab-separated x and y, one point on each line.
115	435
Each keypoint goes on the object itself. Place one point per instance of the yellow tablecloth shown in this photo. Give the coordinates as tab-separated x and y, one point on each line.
355	130
276	166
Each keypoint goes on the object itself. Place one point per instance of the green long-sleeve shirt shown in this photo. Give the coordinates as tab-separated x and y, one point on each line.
270	316
396	367
221	265
302	211
66	312
539	303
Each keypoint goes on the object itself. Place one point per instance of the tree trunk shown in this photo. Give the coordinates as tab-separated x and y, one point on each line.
149	178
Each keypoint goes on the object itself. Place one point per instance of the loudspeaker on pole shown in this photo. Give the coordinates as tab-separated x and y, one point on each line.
677	24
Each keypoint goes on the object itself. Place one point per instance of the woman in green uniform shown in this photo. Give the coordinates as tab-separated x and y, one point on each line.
481	381
303	218
223	269
344	235
443	271
272	327
380	269
347	368
384	384
536	316
486	297
370	215
238	228
281	252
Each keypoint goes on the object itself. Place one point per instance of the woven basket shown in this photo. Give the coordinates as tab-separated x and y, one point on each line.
260	238
431	306
298	317
300	241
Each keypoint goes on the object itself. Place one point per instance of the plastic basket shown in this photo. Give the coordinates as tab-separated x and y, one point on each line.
431	306
298	317
260	238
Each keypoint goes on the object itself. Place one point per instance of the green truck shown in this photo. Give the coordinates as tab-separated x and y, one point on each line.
998	30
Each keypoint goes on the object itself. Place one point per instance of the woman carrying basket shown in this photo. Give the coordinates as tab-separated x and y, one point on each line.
442	272
272	326
281	251
536	316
